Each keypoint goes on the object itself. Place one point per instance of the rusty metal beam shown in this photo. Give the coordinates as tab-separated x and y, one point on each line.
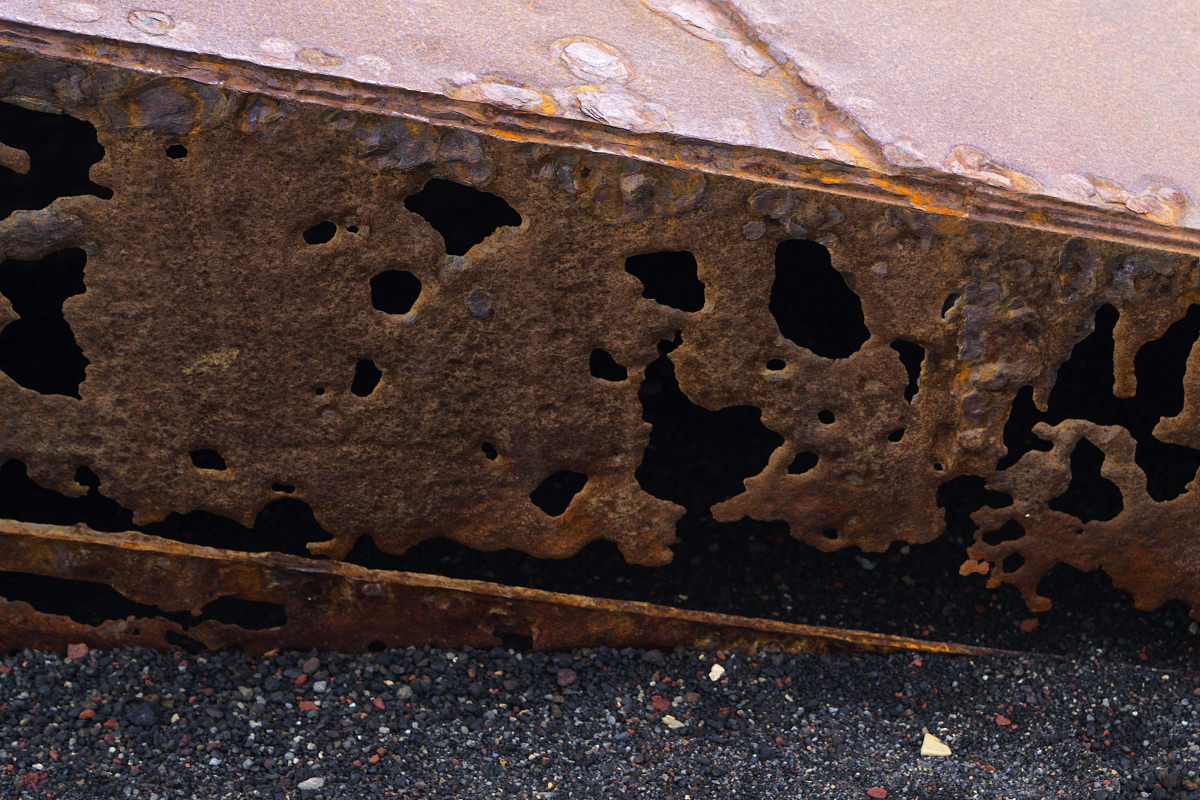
344	607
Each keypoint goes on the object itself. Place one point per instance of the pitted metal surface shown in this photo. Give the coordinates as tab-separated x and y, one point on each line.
237	347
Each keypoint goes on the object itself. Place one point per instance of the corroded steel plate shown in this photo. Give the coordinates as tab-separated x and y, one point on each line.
435	316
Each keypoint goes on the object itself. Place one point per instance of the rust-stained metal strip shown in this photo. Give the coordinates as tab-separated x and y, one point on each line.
345	607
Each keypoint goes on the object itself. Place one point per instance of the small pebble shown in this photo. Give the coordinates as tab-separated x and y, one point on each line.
933	746
140	714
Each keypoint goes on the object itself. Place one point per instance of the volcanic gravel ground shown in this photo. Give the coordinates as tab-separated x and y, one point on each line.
599	723
1102	705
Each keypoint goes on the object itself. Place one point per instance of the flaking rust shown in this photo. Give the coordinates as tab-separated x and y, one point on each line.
231	301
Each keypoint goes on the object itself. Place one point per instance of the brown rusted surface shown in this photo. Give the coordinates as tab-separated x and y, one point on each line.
1147	548
348	608
209	324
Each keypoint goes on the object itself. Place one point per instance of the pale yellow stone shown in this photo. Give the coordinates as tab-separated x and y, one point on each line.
933	746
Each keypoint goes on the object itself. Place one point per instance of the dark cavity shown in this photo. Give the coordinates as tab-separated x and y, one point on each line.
812	304
463	215
669	277
38	350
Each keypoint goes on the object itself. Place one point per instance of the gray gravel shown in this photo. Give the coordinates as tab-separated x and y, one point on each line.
598	723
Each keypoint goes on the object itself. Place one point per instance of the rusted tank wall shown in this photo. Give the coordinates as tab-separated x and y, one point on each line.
270	298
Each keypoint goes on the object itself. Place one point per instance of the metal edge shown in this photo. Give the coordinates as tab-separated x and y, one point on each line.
924	189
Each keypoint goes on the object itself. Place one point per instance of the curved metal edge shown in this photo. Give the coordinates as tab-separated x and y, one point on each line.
924	189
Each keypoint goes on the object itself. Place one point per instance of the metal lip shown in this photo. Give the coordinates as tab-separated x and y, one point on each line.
701	145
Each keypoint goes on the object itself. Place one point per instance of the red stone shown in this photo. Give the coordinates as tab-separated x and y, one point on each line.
878	792
1003	720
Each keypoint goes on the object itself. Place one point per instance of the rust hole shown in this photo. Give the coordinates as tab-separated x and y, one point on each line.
489	451
603	366
1084	390
555	493
463	215
85	602
38	349
286	525
912	355
669	277
1013	562
283	488
1090	496
695	456
826	417
394	291
1019	437
176	151
206	458
895	435
1008	532
252	615
366	378
84	476
812	304
802	463
90	603
61	152
776	364
320	233
951	299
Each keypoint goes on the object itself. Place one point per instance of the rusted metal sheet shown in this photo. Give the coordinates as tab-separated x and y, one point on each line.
270	294
296	603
